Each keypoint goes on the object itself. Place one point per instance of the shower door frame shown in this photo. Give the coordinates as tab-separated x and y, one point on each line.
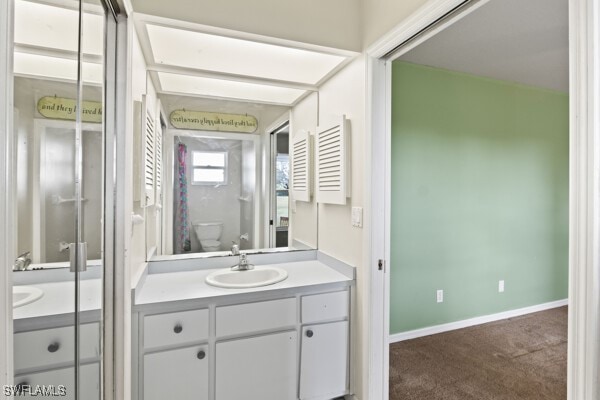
7	206
113	376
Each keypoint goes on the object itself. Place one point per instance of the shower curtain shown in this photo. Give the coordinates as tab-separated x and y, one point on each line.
182	231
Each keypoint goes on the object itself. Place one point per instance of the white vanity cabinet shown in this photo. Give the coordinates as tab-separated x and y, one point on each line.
180	374
324	361
286	347
263	367
176	356
325	347
47	357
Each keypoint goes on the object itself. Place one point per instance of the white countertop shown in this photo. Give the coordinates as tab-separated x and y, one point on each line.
189	285
59	298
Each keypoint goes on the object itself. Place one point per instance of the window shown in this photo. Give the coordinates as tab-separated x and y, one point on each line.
209	167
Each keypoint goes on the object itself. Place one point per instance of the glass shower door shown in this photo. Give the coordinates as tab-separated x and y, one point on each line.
59	81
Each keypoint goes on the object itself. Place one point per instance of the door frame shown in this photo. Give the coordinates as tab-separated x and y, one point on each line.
7	242
272	171
38	211
584	173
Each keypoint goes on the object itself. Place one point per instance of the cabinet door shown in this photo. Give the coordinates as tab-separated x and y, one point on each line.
263	367
324	361
60	383
176	374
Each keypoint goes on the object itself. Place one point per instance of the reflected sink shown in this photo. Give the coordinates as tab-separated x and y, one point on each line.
25	295
246	279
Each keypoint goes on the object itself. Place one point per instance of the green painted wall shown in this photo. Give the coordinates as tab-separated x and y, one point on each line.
479	194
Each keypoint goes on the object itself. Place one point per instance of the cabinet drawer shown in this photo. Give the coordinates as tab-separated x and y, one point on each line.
175	328
324	307
45	347
254	317
62	380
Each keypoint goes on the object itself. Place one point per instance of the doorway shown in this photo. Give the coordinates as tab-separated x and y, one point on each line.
280	186
415	30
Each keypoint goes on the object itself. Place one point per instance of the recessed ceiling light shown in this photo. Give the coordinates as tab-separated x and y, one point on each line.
207	52
221	88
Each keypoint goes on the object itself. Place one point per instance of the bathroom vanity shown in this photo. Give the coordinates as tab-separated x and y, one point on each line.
44	340
285	341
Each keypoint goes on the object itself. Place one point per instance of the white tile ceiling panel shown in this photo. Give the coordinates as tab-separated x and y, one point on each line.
183	48
57	68
57	28
211	87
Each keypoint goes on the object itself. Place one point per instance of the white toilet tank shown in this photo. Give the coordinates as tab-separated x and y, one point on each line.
208	230
208	234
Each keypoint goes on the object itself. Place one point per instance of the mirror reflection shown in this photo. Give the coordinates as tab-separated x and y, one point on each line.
46	143
223	187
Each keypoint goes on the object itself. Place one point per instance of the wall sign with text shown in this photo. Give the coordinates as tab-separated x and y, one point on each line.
210	121
66	109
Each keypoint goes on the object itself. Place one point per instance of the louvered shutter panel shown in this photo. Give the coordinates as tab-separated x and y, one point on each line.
149	155
158	166
301	166
332	163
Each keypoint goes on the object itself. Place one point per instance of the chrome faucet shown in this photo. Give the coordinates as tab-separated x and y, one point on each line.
243	264
22	262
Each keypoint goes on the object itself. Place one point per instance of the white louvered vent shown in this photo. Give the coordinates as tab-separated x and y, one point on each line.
149	159
158	165
332	162
302	166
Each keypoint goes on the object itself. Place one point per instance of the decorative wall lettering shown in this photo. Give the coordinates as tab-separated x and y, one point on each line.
66	109
210	121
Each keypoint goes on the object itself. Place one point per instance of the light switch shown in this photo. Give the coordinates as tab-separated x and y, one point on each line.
357	213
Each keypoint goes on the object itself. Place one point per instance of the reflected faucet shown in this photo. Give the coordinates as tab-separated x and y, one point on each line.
22	262
235	249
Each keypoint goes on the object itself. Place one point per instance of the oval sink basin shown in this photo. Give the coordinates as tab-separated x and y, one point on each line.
25	295
246	279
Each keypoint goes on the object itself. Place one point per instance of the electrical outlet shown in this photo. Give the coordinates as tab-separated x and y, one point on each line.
440	296
501	286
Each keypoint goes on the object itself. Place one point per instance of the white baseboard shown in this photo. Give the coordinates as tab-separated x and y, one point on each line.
451	326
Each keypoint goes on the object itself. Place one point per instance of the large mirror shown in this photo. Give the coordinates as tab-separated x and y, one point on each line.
225	108
48	149
228	187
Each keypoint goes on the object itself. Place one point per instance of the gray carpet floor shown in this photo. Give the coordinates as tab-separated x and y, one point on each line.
518	358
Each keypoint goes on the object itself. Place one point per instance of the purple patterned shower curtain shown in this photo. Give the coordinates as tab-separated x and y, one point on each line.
182	231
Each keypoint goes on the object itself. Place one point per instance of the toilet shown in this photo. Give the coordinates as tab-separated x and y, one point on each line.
208	234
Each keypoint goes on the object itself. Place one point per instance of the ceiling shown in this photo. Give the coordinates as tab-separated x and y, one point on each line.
182	57
197	60
523	41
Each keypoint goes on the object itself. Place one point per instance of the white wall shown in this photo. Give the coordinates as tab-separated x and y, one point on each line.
345	94
332	23
140	86
380	16
303	215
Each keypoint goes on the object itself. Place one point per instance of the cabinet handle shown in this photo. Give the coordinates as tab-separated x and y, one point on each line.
201	354
309	333
53	347
178	328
